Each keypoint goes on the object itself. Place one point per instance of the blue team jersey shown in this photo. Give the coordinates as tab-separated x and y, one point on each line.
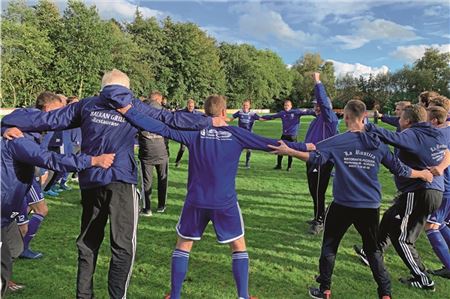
213	158
446	132
357	157
246	119
290	119
420	146
103	130
19	156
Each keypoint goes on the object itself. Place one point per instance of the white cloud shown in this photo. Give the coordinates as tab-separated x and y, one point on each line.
122	9
412	53
432	11
367	30
263	24
357	69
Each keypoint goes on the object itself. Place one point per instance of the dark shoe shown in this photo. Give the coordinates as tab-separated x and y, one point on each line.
417	283
177	164
278	167
315	228
361	254
161	210
29	254
318	294
145	213
443	272
288	169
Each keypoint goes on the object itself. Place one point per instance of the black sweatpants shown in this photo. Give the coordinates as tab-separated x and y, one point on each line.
180	153
162	171
338	220
118	201
280	157
402	224
318	178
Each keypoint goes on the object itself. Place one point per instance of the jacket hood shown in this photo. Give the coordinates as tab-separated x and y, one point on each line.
116	96
426	128
370	140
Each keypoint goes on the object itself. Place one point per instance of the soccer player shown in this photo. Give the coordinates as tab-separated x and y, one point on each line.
107	193
246	120
438	232
322	127
290	119
19	156
420	146
356	191
394	120
211	195
190	108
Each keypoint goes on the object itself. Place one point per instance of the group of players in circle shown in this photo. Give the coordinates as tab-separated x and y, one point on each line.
110	121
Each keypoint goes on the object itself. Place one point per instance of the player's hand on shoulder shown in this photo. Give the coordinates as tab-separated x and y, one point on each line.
310	147
103	161
124	110
12	133
281	149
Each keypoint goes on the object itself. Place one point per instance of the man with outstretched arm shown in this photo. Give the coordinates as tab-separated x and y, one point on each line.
356	156
211	195
107	193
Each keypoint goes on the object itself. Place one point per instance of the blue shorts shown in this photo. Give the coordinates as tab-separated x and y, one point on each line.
441	215
33	196
228	223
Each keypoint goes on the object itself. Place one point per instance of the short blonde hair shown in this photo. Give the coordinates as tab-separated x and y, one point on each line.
438	113
115	77
190	101
214	105
403	104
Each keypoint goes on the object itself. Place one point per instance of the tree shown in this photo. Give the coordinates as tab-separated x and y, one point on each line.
434	70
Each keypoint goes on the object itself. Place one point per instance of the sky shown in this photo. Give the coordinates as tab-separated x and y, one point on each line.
360	37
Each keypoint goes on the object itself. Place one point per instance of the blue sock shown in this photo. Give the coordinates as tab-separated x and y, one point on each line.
180	261
240	273
445	232
33	226
439	246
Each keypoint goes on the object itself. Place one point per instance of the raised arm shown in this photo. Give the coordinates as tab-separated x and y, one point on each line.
29	152
29	120
402	140
322	99
147	123
180	120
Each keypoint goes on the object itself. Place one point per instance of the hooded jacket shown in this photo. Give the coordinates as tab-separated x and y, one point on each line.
357	157
103	130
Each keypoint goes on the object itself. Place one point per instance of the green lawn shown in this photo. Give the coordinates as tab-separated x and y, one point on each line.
283	257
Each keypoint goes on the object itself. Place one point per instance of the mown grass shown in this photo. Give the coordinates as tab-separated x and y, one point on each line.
283	257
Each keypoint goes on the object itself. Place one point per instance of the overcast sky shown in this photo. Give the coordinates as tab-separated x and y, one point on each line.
358	36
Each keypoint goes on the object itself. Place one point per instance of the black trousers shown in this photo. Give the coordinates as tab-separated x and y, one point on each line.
318	178
280	157
118	201
180	153
162	171
338	220
402	224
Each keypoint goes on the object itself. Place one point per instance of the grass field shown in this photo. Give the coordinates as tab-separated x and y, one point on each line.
283	257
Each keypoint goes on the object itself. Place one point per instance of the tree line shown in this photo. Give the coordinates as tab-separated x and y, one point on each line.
68	53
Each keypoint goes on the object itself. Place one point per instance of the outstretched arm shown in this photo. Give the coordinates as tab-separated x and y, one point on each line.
283	149
271	116
402	140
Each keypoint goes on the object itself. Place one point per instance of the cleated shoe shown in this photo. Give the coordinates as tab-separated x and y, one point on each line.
417	283
318	294
29	254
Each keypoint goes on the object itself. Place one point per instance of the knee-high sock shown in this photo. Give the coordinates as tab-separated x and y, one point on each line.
180	261
445	232
33	226
240	273
439	246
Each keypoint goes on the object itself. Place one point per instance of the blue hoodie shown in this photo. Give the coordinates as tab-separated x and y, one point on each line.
19	157
392	120
290	119
326	123
104	130
213	158
420	146
357	157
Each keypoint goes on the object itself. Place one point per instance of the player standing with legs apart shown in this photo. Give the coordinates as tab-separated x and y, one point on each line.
420	146
290	120
106	194
246	120
322	127
211	196
357	193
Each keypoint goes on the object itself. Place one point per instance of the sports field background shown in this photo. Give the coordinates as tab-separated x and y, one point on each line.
283	256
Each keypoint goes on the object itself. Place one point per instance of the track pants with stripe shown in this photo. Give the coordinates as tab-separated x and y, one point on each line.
119	202
402	224
318	178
